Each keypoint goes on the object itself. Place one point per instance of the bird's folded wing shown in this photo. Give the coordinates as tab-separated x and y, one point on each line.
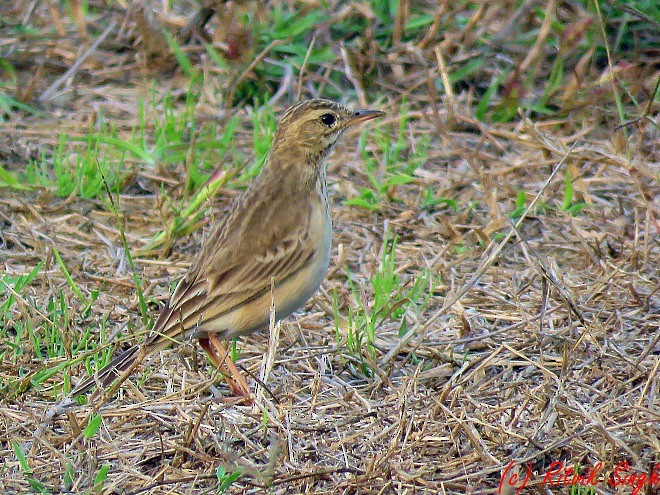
225	283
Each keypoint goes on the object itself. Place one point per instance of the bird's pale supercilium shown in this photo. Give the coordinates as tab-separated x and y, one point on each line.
272	247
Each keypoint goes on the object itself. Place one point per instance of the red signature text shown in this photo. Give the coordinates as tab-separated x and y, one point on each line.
623	475
560	474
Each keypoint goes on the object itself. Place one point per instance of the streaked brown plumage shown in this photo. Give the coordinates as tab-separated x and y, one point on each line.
273	245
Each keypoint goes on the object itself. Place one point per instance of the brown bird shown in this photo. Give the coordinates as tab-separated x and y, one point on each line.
272	247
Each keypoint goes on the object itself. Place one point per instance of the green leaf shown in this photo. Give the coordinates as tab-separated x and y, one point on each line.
216	57
37	485
68	475
482	107
228	480
294	25
473	66
7	103
181	57
576	208
419	21
541	109
225	480
118	143
45	373
102	475
568	191
22	460
398	179
92	426
7	179
68	278
431	200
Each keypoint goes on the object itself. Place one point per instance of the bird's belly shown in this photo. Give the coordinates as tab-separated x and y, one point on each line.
291	294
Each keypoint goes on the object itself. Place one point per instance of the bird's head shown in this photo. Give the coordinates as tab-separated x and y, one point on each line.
311	128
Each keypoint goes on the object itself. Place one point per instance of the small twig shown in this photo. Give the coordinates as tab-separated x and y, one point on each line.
285	83
302	68
192	433
348	72
268	361
50	92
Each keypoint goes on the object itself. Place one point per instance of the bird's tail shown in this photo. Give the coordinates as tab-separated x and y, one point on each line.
118	367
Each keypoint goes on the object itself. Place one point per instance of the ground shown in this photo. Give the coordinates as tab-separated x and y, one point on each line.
490	316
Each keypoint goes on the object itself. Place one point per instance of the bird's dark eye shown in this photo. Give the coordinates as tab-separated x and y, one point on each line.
328	119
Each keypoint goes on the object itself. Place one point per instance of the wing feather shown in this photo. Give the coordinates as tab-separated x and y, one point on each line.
226	277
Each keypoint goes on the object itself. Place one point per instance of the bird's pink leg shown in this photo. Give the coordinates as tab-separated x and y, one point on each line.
220	357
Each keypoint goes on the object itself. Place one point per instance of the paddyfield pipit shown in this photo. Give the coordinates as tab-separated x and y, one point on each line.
272	247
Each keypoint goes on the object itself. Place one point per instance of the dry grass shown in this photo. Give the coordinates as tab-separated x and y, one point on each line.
550	354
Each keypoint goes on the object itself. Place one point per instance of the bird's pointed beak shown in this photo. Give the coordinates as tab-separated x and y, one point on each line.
362	116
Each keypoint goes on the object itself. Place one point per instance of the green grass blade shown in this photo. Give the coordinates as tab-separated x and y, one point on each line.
119	144
93	425
68	278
